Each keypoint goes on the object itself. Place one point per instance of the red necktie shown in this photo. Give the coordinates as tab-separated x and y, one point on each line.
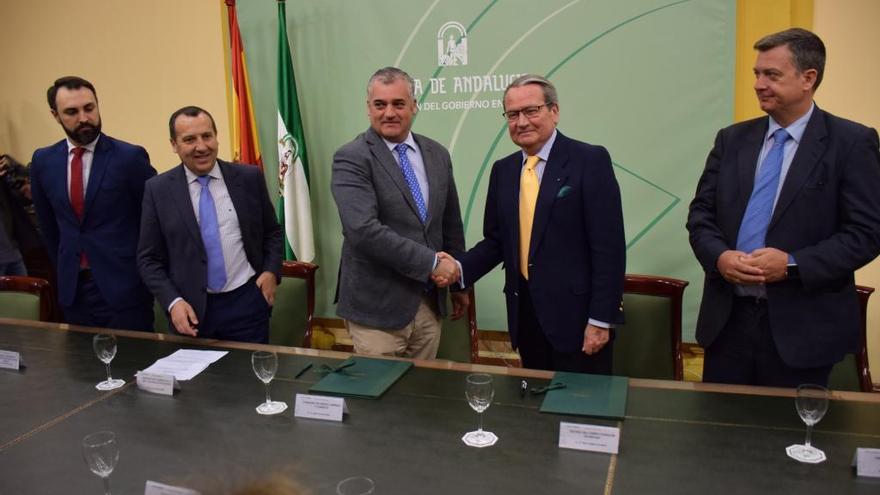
77	198
76	182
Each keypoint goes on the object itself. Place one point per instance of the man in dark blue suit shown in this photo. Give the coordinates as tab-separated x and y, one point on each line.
786	210
210	247
87	192
554	219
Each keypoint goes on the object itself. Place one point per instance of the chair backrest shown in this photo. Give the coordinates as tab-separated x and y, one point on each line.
854	372
26	298
648	345
489	346
291	322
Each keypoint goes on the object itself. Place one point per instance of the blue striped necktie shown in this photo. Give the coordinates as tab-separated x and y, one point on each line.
411	180
753	229
210	228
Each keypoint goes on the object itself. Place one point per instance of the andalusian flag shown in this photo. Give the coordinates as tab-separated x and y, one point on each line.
246	146
294	205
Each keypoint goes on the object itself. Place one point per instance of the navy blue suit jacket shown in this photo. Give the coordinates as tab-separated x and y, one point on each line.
577	253
171	254
108	233
827	216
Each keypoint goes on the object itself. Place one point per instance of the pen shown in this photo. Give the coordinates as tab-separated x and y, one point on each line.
343	366
306	368
548	388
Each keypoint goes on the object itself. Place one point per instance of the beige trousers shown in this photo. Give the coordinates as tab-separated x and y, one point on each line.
419	339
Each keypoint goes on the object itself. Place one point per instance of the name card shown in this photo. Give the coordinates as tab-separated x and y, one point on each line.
867	462
319	407
157	383
589	437
10	360
154	488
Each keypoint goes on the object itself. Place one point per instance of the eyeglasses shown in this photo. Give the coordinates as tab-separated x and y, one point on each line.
529	112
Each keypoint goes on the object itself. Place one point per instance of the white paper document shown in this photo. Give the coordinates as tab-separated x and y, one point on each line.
185	363
867	462
154	488
319	407
589	437
10	360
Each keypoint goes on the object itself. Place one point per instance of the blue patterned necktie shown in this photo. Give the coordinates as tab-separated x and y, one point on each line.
210	228
753	229
411	180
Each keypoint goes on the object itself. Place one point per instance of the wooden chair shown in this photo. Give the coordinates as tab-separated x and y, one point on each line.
842	376
288	315
652	306
488	346
26	298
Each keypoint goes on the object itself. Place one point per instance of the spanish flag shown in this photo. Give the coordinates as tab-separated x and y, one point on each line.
246	146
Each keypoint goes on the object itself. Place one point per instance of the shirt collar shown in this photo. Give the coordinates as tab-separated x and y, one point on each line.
89	147
191	177
409	141
795	130
544	152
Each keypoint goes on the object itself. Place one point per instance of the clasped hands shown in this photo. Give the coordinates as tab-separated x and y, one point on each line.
446	272
761	266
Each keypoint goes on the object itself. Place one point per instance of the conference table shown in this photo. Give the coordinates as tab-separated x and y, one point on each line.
676	437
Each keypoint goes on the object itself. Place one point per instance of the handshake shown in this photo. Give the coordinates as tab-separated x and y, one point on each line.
447	272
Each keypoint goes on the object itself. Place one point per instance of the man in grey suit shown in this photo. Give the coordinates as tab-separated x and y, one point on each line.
398	204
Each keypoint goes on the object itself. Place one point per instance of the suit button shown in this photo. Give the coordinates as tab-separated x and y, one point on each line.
515	294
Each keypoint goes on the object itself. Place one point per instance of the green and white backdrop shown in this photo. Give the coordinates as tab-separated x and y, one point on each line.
651	80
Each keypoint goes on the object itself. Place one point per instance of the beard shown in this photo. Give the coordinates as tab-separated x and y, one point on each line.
84	133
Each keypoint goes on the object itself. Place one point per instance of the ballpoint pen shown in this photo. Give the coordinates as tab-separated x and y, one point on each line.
541	390
305	368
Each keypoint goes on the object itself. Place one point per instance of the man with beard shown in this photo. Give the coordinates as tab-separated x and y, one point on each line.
87	191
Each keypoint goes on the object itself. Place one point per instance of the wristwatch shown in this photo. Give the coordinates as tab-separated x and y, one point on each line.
792	272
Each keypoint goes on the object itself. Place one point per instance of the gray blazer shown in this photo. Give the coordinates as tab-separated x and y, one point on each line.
387	253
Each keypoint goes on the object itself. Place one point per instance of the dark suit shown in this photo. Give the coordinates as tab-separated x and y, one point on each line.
577	252
107	234
171	254
827	216
387	253
19	234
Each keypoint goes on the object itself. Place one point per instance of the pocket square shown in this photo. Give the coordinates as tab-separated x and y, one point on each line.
563	192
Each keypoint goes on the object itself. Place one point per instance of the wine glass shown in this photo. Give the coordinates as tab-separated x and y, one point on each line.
356	485
105	349
479	392
265	365
811	403
101	454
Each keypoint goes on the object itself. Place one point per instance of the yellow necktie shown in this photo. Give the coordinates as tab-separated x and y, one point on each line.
528	196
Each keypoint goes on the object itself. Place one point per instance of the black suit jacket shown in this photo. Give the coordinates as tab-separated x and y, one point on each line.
577	253
171	254
827	217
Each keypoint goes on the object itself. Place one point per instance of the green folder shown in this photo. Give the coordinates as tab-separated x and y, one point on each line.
367	378
587	395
